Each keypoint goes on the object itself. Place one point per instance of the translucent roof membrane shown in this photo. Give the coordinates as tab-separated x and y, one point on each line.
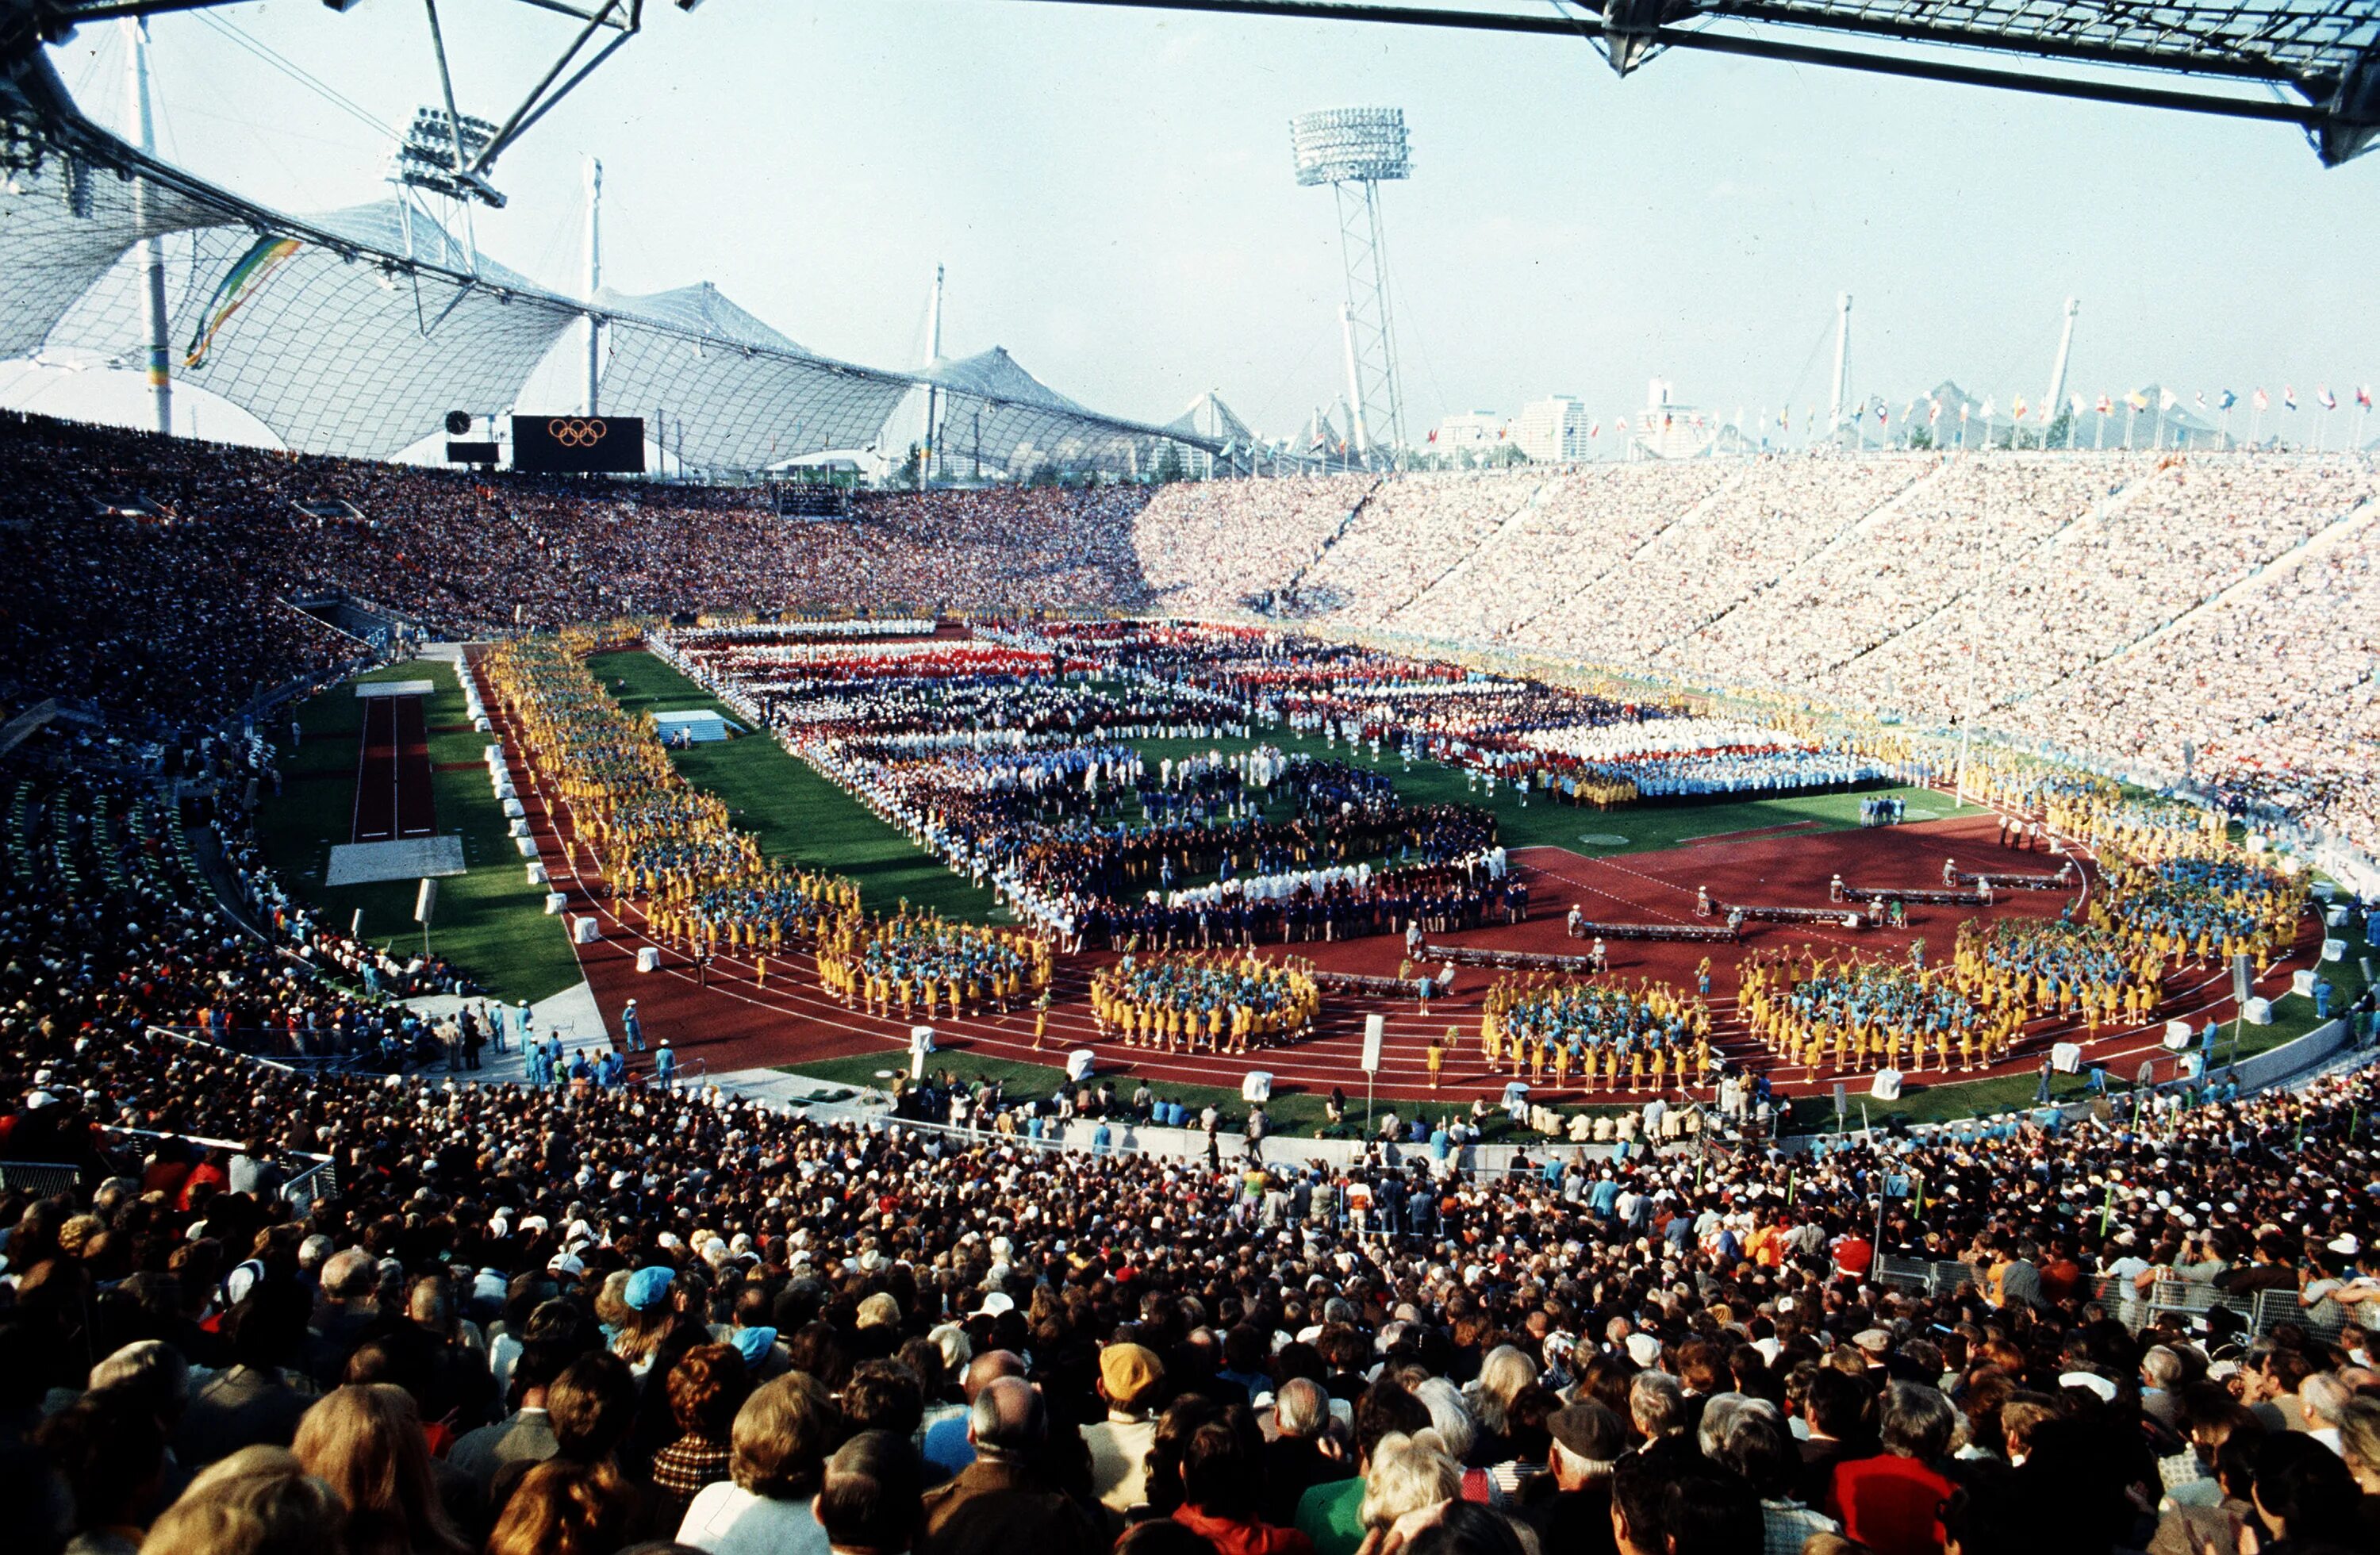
354	332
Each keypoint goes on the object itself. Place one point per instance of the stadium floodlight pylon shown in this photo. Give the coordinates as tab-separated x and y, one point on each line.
1354	150
467	148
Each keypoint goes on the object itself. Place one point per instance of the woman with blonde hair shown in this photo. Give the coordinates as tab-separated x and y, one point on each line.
366	1443
1408	1474
259	1500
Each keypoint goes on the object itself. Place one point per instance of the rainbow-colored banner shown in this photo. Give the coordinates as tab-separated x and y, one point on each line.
238	285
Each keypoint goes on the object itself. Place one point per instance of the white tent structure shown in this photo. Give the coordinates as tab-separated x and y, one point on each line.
355	332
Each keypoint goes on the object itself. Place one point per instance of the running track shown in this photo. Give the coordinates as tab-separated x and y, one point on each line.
732	1020
392	789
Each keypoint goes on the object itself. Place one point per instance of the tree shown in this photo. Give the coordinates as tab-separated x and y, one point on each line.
2061	431
1168	465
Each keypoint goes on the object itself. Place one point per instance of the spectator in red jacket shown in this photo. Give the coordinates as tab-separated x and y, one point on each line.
1223	1481
1892	1502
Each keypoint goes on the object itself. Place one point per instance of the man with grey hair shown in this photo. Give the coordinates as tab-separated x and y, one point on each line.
349	1305
2324	1396
1004	1503
1656	1407
2161	1373
1303	1453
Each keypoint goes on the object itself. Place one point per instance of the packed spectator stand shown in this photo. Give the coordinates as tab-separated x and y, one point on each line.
589	1320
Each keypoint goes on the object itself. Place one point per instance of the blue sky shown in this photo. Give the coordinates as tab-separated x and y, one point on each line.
1112	194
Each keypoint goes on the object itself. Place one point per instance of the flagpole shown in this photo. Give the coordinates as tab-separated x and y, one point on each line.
2100	432
2159	441
2132	417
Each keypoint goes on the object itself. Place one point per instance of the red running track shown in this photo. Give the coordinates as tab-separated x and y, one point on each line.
732	1018
393	795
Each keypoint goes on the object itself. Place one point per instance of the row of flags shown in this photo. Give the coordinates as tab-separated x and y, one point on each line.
2137	400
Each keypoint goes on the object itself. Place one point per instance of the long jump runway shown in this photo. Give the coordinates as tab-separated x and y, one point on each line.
394	800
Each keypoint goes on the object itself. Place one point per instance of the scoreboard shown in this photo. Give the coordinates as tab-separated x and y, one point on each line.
579	444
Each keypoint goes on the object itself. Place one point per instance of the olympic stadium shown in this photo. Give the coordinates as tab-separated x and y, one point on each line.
702	942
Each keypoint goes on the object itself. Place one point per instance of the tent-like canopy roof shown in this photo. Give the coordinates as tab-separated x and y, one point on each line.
355	332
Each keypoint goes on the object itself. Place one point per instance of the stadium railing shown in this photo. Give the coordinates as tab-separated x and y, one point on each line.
42	1179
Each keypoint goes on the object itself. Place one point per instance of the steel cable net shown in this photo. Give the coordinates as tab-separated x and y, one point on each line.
2295	40
732	407
64	224
336	353
991	409
355	332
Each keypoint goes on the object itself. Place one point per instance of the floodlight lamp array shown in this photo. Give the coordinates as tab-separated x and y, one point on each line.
1350	145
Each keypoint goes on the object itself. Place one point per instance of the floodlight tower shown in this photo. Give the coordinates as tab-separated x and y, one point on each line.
1355	150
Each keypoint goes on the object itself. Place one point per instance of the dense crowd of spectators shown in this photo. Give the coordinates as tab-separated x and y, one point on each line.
529	1323
160	575
576	1321
163	577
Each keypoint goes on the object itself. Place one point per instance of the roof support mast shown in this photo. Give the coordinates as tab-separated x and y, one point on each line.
594	282
152	249
1842	364
933	354
2057	374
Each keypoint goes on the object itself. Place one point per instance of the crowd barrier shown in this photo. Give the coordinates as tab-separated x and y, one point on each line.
2259	1312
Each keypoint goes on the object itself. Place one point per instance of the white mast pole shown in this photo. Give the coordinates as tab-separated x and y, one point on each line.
152	249
2058	373
1842	364
594	281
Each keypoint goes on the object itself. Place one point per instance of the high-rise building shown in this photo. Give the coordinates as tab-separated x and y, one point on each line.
1556	429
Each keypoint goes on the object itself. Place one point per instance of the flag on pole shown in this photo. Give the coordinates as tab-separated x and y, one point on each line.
2202	399
2167	399
2363	397
2074	403
1932	411
2226	400
1433	434
1986	411
2106	405
2329	400
2264	400
2288	396
2018	412
2137	400
1621	424
1881	413
1593	428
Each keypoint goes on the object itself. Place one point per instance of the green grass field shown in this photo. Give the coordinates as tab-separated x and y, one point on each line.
795	813
489	920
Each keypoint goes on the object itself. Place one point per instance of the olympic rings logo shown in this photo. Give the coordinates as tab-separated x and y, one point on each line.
577	431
